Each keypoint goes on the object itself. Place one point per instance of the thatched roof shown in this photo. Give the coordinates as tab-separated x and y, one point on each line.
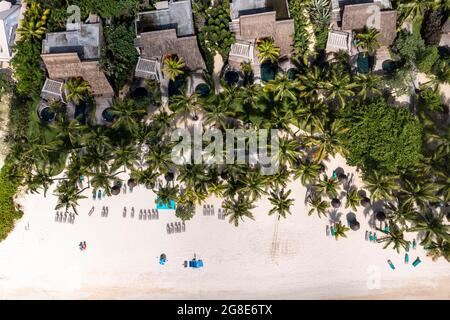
264	25
159	43
68	65
358	16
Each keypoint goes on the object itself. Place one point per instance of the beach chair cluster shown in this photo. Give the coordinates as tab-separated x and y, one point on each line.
105	211
144	214
98	195
371	236
176	227
64	217
221	214
150	214
208	210
414	264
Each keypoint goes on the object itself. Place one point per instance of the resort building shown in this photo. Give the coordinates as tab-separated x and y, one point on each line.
168	30
76	53
10	13
259	19
349	16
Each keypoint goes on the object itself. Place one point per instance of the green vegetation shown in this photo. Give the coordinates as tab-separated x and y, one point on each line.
381	138
215	35
118	55
301	36
325	110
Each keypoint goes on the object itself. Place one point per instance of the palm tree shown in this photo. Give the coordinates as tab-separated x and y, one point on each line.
69	132
352	198
103	180
419	194
159	159
412	9
33	26
68	196
432	225
367	40
311	83
127	113
254	184
309	113
307	171
173	67
167	194
289	151
268	51
394	237
279	179
340	87
282	87
77	89
380	186
281	203
146	177
340	230
238	208
185	106
217	113
328	141
328	186
317	205
439	248
194	176
125	154
367	85
319	12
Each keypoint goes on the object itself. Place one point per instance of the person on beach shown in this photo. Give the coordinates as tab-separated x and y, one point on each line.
414	244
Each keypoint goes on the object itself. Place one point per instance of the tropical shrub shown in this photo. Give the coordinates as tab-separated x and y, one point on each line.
118	57
216	31
301	36
9	212
381	137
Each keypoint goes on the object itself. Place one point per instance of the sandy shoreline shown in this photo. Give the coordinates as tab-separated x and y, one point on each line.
261	259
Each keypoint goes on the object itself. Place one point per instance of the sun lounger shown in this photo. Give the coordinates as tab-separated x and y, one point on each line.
132	212
204	209
332	231
367	235
107	211
168	228
91	211
99	195
145	214
212	210
94	195
184	227
391	265
370	236
140	214
124	213
172	227
414	244
406	258
416	262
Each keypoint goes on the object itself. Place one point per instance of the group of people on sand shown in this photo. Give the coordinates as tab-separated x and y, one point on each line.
82	245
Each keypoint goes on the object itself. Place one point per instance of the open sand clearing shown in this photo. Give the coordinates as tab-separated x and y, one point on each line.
261	259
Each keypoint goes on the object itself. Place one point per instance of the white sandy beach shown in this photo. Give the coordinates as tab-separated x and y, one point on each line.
261	259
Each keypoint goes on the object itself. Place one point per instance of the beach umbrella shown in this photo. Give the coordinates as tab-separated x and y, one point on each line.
342	178
354	225
336	203
131	183
380	216
365	202
115	190
362	193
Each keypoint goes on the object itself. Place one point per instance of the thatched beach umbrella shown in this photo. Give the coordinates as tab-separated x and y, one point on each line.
354	225
336	203
365	202
380	216
131	183
342	178
115	190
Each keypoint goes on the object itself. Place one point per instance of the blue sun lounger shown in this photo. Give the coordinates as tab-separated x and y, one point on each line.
416	262
391	265
165	206
195	264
